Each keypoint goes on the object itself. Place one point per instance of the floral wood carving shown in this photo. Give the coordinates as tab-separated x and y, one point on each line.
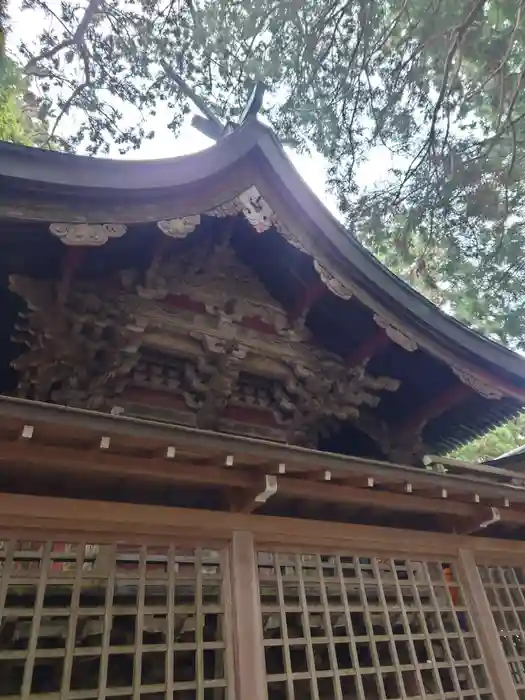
483	388
334	284
231	208
396	335
179	228
256	210
87	234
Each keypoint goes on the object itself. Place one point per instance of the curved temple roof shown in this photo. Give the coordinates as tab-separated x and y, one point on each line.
45	186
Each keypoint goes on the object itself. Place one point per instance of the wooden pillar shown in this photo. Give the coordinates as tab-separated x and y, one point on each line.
247	621
485	627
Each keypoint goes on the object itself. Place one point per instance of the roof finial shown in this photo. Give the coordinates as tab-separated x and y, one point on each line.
211	126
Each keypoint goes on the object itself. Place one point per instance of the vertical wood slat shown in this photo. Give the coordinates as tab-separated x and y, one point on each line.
310	659
199	624
338	691
445	644
139	624
72	624
284	629
455	621
170	625
226	624
247	619
485	627
389	630
45	563
108	623
425	630
5	574
370	629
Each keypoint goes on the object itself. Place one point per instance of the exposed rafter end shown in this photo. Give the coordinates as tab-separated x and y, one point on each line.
248	502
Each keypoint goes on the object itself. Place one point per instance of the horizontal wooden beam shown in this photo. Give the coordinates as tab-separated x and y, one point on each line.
106	522
75	463
61	422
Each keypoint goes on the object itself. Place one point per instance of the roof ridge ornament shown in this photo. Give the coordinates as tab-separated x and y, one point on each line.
211	126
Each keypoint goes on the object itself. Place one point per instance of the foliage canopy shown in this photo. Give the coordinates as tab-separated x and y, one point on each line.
497	442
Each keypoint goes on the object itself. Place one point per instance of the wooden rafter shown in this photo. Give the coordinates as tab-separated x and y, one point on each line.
375	343
307	298
438	405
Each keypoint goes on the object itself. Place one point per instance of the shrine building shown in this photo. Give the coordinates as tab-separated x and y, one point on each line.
223	437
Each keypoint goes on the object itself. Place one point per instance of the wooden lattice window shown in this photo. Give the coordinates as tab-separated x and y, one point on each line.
363	628
86	621
505	589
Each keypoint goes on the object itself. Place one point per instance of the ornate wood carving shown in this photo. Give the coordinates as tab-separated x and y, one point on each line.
180	228
334	284
488	391
396	335
256	210
195	340
250	359
79	350
87	234
260	215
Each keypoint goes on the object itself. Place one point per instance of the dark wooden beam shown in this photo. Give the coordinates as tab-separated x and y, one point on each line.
368	348
56	425
443	402
307	298
74	462
105	522
70	263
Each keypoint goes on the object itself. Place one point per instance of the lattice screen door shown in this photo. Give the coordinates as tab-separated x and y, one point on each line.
348	627
82	621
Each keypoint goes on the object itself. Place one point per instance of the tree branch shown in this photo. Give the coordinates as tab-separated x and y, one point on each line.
76	92
191	94
76	40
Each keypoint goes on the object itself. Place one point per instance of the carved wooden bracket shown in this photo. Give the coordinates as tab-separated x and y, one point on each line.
257	211
87	234
483	388
335	285
179	228
395	334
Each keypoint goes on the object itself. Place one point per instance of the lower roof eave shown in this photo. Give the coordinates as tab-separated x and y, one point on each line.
46	435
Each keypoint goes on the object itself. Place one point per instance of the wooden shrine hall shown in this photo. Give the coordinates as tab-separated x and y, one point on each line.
223	439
